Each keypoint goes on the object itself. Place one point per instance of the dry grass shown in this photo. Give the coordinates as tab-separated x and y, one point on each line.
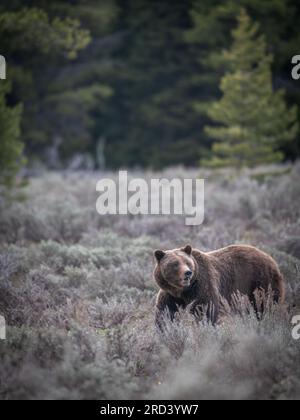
78	296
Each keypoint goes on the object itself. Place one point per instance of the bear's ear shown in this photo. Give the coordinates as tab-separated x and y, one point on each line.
187	249
159	255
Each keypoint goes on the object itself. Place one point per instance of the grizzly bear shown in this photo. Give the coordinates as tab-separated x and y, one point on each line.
188	276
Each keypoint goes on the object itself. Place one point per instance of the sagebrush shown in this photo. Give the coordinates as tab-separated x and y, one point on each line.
77	293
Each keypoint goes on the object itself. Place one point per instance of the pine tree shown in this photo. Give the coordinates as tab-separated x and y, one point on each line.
10	145
253	120
154	92
37	42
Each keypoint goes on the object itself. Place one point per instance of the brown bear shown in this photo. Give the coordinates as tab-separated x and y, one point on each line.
188	276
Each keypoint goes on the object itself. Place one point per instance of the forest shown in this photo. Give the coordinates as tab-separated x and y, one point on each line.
109	84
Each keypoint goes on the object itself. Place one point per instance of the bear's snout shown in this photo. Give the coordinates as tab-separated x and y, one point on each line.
186	281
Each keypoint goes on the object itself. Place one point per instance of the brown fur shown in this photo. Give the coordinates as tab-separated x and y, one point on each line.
215	276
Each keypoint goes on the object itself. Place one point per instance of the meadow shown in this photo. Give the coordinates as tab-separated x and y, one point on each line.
77	293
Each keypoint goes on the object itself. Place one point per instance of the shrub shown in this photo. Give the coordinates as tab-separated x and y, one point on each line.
77	293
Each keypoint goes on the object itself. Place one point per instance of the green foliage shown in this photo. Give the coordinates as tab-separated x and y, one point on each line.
10	145
154	89
73	109
254	120
130	73
78	91
36	40
210	35
31	30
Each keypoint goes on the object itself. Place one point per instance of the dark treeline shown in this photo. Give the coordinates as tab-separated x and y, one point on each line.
127	83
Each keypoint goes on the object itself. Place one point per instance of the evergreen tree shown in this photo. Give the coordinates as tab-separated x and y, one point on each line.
155	89
10	145
213	22
253	120
78	91
130	72
37	40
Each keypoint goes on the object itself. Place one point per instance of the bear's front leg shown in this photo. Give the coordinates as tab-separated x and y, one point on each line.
166	308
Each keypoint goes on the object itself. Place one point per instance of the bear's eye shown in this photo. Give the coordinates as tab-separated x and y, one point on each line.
176	264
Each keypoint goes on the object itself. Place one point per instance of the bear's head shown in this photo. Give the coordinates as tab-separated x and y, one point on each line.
175	269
